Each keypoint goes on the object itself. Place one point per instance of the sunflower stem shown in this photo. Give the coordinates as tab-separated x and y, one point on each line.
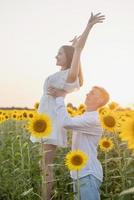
121	159
78	185
12	154
106	188
21	153
44	189
29	160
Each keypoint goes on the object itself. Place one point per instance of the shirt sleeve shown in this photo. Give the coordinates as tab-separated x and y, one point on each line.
70	87
80	123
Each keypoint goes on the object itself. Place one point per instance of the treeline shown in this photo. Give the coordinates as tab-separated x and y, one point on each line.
15	108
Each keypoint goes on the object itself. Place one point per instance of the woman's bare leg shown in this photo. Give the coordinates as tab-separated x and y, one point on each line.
47	170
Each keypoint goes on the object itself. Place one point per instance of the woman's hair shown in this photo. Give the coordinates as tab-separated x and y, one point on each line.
69	51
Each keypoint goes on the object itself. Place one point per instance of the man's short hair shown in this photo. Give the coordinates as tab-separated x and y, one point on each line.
105	94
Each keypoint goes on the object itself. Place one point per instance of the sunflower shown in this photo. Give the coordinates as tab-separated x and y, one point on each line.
36	105
15	114
82	107
106	144
71	112
103	110
76	160
24	126
6	117
70	105
2	119
24	114
79	112
124	113
126	130
113	105
31	114
40	126
109	121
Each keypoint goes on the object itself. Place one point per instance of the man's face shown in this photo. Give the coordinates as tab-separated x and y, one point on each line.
94	97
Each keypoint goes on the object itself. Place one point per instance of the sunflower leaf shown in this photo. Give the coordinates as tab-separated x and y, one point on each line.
27	192
128	191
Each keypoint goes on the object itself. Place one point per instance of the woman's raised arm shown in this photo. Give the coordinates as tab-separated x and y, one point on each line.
80	74
74	70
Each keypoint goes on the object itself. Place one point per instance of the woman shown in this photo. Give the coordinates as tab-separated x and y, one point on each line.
69	78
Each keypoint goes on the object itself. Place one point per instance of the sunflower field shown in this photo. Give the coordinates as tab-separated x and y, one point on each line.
20	159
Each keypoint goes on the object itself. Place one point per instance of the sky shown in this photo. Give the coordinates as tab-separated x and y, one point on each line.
32	31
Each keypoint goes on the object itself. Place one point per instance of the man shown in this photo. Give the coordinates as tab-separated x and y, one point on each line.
86	135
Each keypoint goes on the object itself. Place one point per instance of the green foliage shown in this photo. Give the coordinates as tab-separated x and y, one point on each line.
63	185
20	173
19	169
118	170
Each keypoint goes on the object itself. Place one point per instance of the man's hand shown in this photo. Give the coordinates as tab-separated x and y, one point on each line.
55	92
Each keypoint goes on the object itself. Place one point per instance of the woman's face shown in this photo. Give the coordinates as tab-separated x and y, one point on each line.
61	58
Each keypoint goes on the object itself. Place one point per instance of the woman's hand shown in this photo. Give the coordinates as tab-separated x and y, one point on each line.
75	40
79	44
94	19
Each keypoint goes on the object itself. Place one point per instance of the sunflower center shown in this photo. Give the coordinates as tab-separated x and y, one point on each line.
40	126
109	121
106	144
76	160
70	112
24	114
31	115
36	105
112	106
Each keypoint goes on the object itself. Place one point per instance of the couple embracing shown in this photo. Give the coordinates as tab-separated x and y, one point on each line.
86	128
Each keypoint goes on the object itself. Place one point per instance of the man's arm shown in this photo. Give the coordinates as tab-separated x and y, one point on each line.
75	123
83	123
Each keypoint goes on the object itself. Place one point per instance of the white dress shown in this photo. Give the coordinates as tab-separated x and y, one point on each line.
47	105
